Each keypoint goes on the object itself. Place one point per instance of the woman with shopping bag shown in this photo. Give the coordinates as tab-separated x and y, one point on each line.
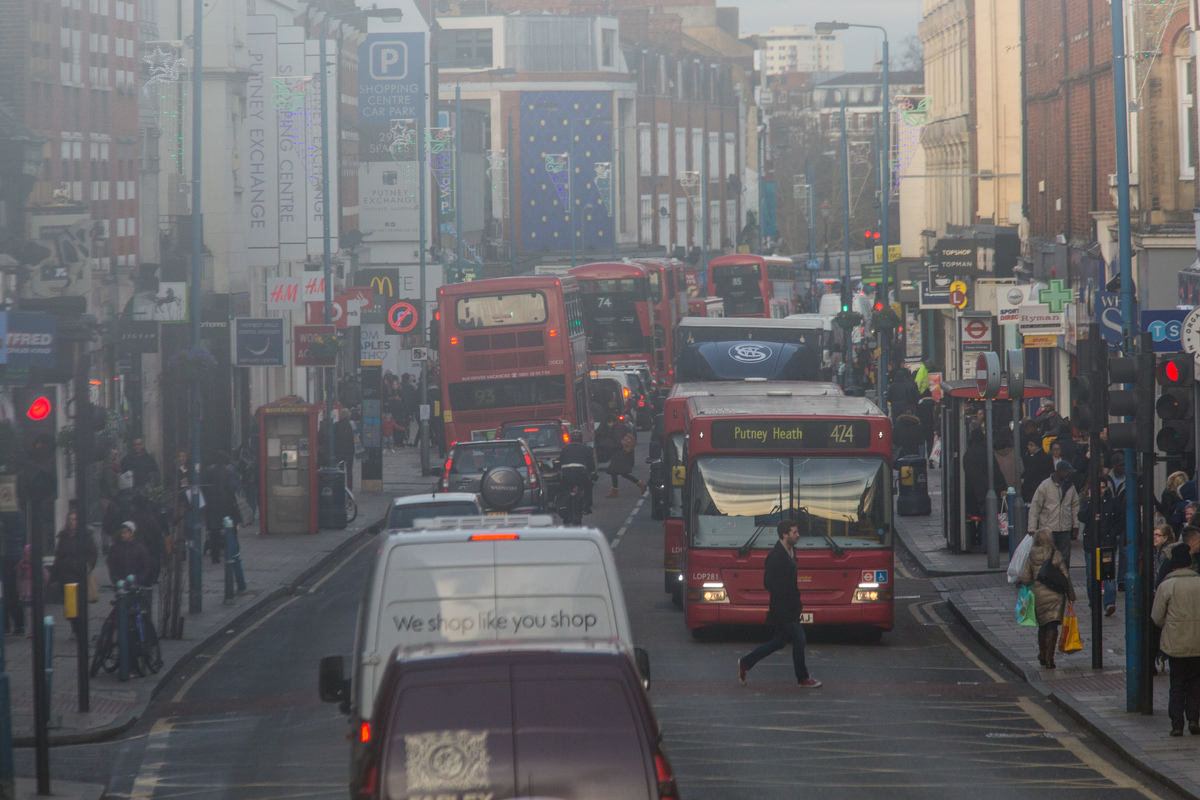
1177	611
1046	573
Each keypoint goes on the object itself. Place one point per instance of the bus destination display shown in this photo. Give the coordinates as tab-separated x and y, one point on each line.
815	434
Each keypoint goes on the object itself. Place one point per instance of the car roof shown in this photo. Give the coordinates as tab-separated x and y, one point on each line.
440	498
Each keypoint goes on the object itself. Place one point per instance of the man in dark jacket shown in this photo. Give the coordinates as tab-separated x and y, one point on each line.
220	501
143	465
127	557
903	393
150	534
579	454
779	579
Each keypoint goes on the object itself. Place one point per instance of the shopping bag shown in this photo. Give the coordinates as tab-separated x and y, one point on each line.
1025	613
1069	641
93	587
935	455
1017	565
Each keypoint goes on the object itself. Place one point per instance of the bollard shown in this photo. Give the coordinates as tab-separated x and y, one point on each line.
1010	502
233	563
48	625
122	632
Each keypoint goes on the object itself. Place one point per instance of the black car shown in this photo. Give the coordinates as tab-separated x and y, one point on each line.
561	723
503	472
546	438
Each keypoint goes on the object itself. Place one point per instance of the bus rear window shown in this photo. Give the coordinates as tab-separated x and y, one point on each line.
500	311
483	395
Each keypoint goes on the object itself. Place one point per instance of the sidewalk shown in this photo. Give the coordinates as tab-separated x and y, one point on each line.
984	601
274	566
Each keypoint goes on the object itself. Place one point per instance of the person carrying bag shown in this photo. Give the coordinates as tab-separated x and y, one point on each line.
1050	603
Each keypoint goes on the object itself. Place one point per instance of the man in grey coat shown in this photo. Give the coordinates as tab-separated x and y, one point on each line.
1055	507
1177	611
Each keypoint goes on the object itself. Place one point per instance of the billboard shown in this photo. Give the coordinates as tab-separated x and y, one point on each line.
391	87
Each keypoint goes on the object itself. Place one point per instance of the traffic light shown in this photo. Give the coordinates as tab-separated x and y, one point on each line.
1175	406
434	325
35	409
1136	402
1089	388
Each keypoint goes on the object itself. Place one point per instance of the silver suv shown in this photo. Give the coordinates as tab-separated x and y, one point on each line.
503	472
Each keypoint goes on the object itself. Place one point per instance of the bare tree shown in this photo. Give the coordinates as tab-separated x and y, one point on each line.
911	55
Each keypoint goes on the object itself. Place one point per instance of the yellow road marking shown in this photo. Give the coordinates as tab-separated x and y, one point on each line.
335	570
903	570
147	778
933	616
1081	751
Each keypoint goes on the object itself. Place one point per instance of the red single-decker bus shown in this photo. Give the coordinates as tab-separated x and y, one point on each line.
824	462
511	348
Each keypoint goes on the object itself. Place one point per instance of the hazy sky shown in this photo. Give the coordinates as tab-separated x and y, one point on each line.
900	17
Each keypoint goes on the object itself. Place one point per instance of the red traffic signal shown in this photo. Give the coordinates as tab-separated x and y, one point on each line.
866	234
1174	372
878	306
39	409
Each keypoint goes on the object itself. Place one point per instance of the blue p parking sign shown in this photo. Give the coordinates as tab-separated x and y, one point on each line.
388	60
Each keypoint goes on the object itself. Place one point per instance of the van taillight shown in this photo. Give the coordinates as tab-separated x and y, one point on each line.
446	473
368	789
364	732
666	778
494	537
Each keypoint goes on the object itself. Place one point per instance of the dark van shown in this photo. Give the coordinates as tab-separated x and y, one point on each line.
570	724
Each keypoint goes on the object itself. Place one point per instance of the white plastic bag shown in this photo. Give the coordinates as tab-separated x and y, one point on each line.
935	455
1017	565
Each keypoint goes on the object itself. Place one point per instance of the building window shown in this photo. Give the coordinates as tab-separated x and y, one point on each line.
697	146
681	239
731	219
644	149
730	160
465	43
1185	74
714	224
645	219
714	156
664	149
664	219
680	152
608	46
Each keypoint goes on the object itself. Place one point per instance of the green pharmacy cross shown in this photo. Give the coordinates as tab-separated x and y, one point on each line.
1057	296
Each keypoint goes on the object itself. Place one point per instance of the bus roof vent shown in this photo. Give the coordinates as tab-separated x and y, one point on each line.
779	393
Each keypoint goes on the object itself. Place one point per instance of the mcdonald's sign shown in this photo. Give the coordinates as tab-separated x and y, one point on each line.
384	285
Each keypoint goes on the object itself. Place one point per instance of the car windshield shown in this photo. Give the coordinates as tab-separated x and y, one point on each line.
472	458
536	436
404	516
845	499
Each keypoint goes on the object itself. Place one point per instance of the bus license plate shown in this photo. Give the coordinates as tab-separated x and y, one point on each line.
505	513
806	617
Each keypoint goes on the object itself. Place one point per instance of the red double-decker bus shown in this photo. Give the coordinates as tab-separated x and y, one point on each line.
511	348
824	462
743	282
668	497
668	295
617	312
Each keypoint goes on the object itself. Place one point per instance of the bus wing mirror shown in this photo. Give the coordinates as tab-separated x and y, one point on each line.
642	658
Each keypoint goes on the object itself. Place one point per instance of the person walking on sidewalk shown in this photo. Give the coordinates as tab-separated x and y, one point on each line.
1048	604
620	465
1055	507
1177	611
779	579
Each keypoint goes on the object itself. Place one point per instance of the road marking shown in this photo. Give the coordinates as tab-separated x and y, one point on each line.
904	571
147	778
347	560
1071	744
936	620
183	690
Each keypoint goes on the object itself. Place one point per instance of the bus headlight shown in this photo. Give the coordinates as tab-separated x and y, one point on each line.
872	593
708	593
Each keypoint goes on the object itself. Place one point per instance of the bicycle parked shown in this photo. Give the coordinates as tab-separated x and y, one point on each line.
351	503
145	655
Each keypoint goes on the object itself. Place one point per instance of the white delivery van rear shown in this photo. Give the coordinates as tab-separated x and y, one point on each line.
484	585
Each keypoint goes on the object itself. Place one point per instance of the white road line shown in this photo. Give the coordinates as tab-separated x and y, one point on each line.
147	778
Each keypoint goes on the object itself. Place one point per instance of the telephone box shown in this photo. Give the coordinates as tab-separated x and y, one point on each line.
287	458
960	399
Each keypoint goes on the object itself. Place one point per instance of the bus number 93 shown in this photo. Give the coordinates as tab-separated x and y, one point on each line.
485	397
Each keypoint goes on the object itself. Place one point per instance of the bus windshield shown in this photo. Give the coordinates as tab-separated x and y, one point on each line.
611	319
674	463
526	308
740	286
846	500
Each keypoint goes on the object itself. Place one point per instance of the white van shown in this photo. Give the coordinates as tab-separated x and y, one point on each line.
455	582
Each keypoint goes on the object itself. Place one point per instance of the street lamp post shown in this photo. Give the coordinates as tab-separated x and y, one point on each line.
829	27
458	128
845	233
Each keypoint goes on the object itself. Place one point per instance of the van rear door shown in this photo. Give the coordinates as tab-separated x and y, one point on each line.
578	735
449	734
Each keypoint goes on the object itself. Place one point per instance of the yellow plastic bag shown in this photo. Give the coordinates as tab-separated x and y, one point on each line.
1069	641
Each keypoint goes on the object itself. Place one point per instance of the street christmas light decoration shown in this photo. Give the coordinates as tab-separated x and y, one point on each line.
165	68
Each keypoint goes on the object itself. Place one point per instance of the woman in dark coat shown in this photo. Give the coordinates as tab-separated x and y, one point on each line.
621	465
1049	605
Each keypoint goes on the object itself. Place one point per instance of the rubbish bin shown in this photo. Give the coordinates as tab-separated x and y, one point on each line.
331	488
913	499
